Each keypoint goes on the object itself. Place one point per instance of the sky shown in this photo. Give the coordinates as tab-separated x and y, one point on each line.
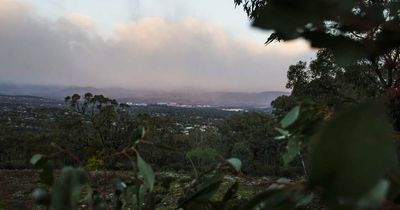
146	44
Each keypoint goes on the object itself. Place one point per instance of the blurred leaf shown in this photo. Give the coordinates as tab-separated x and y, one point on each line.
67	189
119	185
283	132
280	183
46	173
376	196
235	163
138	134
283	181
352	152
305	200
88	198
290	117
345	49
41	197
146	172
274	186
293	149
280	137
141	196
37	160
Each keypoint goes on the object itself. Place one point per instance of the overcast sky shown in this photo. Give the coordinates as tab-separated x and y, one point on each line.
147	44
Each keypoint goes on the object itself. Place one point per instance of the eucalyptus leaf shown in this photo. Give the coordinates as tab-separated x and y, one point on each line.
68	188
146	171
283	132
36	158
290	117
293	149
352	152
138	134
235	163
376	195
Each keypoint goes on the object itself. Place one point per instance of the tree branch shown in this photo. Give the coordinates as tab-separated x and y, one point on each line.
379	74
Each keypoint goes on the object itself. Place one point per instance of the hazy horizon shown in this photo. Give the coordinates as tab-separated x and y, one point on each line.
142	89
136	44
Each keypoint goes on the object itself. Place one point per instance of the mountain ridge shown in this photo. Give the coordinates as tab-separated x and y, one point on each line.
190	97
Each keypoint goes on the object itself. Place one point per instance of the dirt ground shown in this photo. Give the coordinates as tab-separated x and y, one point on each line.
16	187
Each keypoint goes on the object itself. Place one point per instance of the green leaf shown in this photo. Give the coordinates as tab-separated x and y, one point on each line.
67	190
290	117
274	186
37	160
141	196
235	163
280	137
88	198
352	152
282	131
46	174
146	172
376	196
293	149
138	134
305	200
280	183
119	186
283	181
284	134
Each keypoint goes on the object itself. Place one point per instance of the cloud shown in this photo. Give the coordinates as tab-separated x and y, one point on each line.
149	53
83	21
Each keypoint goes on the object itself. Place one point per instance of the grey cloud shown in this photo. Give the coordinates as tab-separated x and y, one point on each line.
150	53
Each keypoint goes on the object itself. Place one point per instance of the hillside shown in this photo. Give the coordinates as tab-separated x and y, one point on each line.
190	97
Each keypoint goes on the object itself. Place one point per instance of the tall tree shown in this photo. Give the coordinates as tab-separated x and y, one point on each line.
325	82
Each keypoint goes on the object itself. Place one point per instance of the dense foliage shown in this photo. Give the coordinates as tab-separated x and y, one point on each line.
350	148
91	131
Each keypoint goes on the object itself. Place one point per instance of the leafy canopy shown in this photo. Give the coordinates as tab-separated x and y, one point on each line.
352	29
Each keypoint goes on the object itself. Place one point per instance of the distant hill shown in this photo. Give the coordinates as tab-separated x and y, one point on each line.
190	97
231	99
28	100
